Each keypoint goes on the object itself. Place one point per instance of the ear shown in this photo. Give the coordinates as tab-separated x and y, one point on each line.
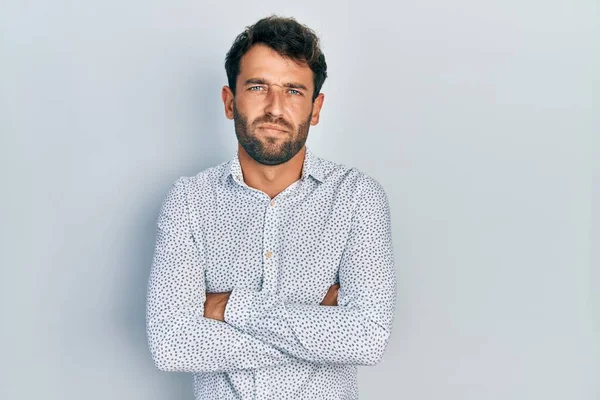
318	103
228	99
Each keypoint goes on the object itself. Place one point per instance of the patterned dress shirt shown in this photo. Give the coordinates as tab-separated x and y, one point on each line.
278	257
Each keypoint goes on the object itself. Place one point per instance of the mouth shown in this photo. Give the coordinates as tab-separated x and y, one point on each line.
272	128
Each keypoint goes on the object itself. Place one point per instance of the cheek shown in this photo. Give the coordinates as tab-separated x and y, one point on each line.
248	106
300	113
252	115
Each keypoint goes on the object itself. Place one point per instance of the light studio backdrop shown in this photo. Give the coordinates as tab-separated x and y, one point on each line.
476	117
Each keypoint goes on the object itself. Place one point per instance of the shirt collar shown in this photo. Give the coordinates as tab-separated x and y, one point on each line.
312	166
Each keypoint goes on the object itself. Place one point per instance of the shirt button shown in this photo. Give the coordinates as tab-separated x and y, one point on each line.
269	254
272	203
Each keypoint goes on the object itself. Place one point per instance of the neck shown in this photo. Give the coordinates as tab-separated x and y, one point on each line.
270	179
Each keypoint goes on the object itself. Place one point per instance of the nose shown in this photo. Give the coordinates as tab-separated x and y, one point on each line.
274	102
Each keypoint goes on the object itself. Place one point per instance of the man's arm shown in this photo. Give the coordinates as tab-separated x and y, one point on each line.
357	330
179	336
214	306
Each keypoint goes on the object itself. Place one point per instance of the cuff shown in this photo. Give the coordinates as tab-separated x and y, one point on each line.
240	307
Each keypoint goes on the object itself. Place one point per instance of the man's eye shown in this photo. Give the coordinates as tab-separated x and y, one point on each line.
255	88
295	92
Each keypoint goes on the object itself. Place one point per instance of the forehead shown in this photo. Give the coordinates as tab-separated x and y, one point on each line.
263	62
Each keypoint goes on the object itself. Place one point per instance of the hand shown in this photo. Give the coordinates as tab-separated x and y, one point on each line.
214	306
331	296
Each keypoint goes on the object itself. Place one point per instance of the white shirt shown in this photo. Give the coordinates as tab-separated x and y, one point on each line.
278	257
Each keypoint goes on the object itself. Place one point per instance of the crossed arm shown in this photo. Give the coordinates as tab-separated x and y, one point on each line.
194	331
214	306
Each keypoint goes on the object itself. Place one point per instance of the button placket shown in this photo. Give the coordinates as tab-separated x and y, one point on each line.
270	256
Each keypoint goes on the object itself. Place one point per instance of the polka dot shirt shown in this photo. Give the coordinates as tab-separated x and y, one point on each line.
278	257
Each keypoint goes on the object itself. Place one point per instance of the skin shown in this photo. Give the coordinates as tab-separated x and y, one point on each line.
277	162
272	110
214	306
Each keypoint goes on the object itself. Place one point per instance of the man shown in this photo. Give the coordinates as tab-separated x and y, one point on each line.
273	274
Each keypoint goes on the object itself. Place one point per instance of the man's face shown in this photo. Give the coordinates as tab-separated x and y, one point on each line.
273	107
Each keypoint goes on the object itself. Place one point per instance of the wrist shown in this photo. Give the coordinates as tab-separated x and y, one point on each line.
215	304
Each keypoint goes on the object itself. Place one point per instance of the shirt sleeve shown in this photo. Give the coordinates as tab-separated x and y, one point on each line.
180	338
357	330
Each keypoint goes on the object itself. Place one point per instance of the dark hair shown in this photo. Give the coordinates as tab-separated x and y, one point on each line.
288	38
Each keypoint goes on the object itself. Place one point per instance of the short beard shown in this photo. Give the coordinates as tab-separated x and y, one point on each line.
257	150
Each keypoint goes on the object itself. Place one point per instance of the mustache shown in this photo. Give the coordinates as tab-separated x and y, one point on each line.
273	121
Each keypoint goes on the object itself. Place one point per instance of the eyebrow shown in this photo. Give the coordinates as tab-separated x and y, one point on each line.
260	81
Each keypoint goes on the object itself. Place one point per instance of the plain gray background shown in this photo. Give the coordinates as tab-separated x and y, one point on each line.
479	118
